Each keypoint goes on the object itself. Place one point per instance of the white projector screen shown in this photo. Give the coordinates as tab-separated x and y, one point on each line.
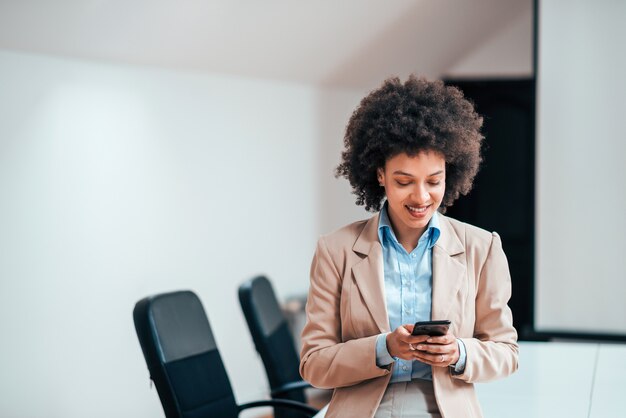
580	280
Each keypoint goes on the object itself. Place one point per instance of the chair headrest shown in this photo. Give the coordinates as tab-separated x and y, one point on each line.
258	296
181	325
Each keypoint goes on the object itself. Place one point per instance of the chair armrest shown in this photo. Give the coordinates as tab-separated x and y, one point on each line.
282	403
287	387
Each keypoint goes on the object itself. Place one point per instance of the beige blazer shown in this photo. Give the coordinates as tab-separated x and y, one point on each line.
346	311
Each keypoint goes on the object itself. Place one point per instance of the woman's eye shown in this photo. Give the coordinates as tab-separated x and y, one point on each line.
402	184
434	183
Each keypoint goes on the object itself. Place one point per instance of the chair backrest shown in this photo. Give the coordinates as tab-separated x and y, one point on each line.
271	335
182	357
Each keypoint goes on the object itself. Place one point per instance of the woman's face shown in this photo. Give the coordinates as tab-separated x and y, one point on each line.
414	187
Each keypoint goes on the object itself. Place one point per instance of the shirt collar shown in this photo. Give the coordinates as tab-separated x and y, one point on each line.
431	234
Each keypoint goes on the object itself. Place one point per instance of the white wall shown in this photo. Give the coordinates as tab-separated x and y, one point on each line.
507	52
581	202
336	206
119	182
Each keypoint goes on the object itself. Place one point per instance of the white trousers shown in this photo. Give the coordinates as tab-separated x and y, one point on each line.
414	399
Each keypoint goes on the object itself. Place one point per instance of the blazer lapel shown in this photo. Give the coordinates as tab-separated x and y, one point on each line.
449	269
368	273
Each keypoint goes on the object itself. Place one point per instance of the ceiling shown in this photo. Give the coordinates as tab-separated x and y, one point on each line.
350	43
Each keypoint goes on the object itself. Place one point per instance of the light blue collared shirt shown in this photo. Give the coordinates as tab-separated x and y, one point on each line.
408	292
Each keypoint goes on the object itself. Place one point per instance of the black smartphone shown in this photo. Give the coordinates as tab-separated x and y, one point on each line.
432	328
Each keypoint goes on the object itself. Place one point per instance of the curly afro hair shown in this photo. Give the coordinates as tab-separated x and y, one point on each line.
416	116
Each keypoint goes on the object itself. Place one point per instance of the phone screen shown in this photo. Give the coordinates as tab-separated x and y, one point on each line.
432	328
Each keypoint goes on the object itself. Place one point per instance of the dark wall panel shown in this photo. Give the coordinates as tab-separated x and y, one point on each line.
503	196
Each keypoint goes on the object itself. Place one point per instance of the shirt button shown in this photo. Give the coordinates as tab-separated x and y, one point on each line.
405	368
413	255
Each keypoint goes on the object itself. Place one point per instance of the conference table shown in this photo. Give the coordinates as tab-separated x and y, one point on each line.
559	379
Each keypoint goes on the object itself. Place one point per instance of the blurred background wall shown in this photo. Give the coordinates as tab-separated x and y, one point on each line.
119	182
581	200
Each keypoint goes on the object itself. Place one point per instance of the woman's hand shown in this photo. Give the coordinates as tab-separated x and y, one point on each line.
435	351
438	351
401	344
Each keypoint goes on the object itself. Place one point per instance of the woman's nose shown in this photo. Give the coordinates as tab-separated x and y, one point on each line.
420	195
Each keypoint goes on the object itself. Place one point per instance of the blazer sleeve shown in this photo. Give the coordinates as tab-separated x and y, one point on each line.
493	352
327	361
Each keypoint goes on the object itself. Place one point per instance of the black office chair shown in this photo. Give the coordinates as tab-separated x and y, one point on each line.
184	361
273	341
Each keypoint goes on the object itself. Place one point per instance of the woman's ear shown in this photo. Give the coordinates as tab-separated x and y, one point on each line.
381	176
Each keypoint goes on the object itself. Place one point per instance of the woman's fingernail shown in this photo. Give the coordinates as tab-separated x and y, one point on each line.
420	347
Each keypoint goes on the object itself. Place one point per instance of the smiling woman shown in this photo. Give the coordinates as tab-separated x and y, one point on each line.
411	117
410	150
414	187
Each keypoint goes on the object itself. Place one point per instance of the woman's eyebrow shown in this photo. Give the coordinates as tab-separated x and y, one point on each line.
403	173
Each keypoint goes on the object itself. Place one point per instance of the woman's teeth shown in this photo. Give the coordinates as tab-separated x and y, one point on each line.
416	209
